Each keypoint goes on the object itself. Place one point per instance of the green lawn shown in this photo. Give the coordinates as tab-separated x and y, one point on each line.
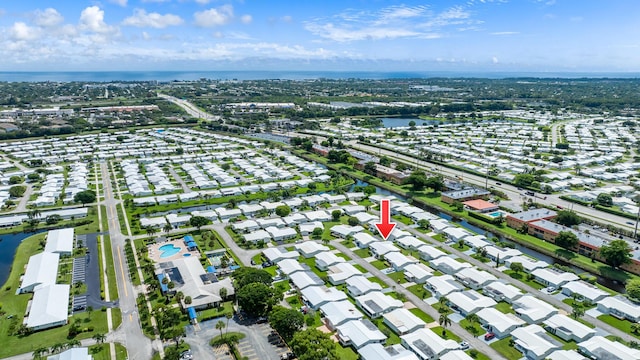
449	334
479	356
439	237
379	264
378	281
523	277
116	317
419	291
363	253
469	327
102	352
422	315
257	259
346	353
403	219
504	307
343	256
398	277
361	268
623	325
503	347
111	272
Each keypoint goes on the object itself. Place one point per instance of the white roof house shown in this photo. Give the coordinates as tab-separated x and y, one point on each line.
409	242
279	234
553	277
534	342
60	241
319	215
474	278
274	254
76	353
456	233
310	248
399	260
568	329
599	347
620	307
360	285
500	291
266	222
417	273
362	239
448	265
326	259
303	279
402	321
375	303
528	263
42	269
469	301
427	344
345	230
456	355
309	227
566	355
339	312
340	272
256	236
494	253
584	290
439	225
499	323
381	248
358	333
378	352
290	266
245	226
49	307
317	296
442	285
428	252
296	218
476	241
533	310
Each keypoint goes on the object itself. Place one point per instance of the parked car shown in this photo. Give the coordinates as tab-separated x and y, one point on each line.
287	356
489	336
464	345
630	223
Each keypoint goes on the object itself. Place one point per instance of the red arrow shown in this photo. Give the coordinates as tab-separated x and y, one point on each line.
384	226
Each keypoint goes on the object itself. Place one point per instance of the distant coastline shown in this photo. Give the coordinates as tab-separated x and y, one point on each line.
107	76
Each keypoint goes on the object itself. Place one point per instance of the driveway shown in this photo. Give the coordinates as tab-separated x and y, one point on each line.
92	277
254	346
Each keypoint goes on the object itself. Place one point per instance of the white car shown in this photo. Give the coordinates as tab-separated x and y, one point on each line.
464	345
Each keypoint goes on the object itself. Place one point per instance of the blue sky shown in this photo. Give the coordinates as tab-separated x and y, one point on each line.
471	35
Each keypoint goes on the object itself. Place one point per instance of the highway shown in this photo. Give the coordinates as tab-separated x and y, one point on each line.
190	108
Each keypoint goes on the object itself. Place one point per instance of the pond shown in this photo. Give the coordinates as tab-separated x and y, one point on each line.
8	246
404	122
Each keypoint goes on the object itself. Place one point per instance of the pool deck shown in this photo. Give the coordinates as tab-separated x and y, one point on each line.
154	251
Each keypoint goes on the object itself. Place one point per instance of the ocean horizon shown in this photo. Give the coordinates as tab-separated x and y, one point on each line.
166	76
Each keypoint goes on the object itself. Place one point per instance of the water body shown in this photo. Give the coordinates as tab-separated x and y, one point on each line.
8	246
404	122
104	76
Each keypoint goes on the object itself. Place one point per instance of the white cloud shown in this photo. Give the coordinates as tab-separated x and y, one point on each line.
502	33
203	2
141	18
23	32
246	19
49	17
92	19
495	60
119	2
392	22
214	16
287	18
155	1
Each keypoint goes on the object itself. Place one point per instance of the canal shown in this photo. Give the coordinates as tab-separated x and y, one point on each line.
8	245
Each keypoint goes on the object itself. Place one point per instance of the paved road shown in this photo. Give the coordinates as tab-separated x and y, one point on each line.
190	108
180	180
22	205
511	191
92	276
130	333
419	303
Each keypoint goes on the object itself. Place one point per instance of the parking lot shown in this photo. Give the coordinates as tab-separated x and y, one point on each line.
255	346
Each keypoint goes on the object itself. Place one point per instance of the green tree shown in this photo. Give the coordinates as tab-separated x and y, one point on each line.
436	183
53	219
577	311
17	191
568	218
283	210
167	228
247	275
566	239
370	168
220	326
524	180
444	321
353	221
317	233
286	321
604	199
616	253
335	215
85	197
412	123
312	344
198	221
256	299
417	180
516	267
424	224
15	180
633	288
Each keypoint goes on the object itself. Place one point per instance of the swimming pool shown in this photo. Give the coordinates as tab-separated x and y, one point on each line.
168	250
495	214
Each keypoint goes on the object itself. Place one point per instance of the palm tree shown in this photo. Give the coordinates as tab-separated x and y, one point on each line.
73	343
99	338
219	326
578	311
483	252
443	301
444	321
472	318
228	316
37	353
167	228
635	328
